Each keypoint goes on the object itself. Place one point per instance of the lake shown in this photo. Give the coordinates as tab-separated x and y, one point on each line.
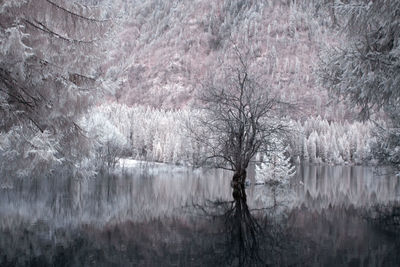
176	216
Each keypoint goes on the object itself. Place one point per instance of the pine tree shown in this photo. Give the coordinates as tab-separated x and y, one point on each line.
364	70
306	158
49	62
275	167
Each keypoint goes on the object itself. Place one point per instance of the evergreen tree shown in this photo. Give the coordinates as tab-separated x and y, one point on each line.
364	70
49	76
275	167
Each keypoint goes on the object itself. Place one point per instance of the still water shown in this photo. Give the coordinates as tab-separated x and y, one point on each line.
172	216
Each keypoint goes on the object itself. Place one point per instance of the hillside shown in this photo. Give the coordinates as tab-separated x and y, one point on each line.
166	49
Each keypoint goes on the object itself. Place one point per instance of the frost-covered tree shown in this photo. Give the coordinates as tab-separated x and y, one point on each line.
150	134
323	142
110	143
312	147
275	166
364	70
50	73
306	157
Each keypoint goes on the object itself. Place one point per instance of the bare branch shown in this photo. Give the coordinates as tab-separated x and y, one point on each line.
40	26
75	14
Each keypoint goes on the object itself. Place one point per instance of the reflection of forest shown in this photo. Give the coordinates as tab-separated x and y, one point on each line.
339	236
164	217
138	196
153	193
359	186
334	237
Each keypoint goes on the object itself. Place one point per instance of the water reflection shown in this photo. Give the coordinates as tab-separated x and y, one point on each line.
181	217
139	196
324	186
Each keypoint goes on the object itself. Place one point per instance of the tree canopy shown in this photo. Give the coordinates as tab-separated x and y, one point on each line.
50	73
241	112
365	68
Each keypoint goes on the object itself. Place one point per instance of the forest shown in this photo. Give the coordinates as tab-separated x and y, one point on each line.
262	90
78	79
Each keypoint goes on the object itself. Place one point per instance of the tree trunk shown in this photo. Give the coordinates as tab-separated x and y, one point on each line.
238	181
245	229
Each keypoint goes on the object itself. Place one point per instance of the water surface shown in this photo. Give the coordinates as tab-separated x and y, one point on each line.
172	216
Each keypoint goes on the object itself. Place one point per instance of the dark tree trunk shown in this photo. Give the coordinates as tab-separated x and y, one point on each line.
244	228
238	181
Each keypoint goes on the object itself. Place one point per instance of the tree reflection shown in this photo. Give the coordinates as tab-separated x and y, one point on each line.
243	230
385	216
250	236
150	221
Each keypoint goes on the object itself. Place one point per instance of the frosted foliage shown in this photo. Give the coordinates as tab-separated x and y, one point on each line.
58	57
13	50
38	152
49	76
100	127
387	146
318	141
110	143
150	134
365	68
275	165
10	3
169	46
160	135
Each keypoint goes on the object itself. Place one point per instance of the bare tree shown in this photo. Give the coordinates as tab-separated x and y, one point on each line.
240	116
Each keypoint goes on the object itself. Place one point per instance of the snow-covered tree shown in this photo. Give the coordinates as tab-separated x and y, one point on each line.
332	143
53	67
275	166
110	143
306	157
364	70
312	147
50	74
